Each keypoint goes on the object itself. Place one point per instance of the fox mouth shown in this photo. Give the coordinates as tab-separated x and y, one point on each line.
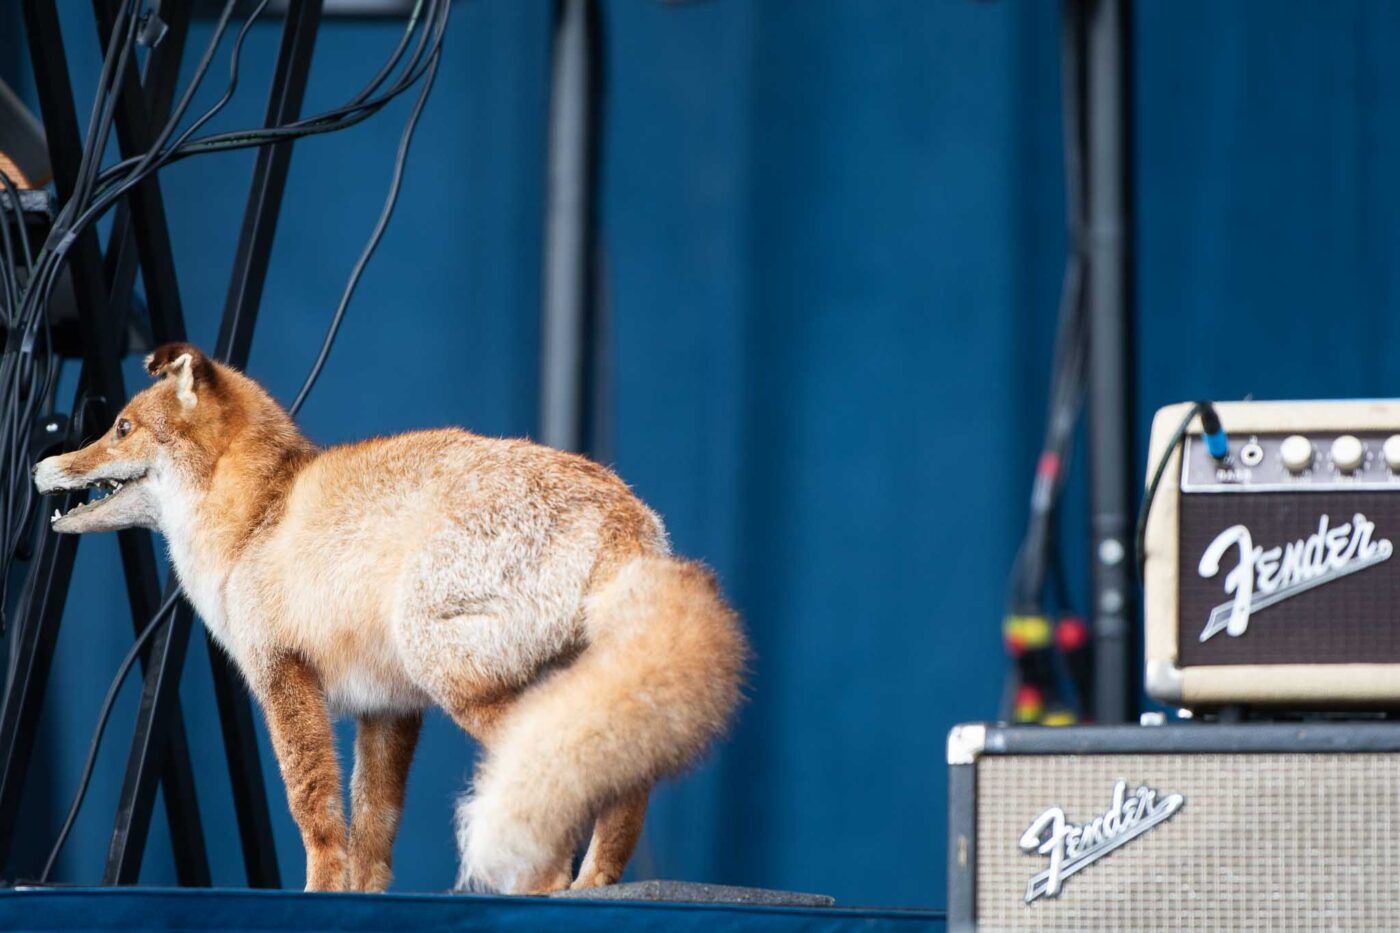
107	491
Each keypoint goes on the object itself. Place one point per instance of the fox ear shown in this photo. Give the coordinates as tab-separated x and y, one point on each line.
182	371
184	364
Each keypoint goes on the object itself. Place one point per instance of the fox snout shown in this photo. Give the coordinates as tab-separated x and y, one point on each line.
121	495
50	476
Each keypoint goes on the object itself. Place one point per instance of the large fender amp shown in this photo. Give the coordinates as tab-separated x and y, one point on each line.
1270	575
1185	827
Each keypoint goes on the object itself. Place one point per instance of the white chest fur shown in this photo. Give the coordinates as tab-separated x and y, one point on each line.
201	576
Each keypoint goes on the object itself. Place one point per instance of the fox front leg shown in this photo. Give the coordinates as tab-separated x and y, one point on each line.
301	734
383	751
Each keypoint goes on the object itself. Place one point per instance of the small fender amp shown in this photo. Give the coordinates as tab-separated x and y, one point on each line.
1183	827
1270	577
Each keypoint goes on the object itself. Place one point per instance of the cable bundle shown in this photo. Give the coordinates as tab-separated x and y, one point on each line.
1034	691
29	368
24	386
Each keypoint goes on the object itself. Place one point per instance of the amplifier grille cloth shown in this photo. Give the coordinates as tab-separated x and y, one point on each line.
1263	841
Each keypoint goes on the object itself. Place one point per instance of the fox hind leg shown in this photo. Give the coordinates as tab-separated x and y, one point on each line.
615	836
465	664
384	746
482	715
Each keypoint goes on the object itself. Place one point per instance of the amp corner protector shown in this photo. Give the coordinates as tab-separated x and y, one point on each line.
966	742
1164	682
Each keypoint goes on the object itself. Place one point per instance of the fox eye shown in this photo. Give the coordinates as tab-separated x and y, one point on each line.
123	428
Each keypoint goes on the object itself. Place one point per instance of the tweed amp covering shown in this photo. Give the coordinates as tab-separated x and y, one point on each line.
1260	841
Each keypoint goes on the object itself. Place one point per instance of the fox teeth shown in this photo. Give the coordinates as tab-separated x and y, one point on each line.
56	515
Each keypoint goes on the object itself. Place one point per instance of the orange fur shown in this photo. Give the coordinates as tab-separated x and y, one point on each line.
615	836
526	591
305	749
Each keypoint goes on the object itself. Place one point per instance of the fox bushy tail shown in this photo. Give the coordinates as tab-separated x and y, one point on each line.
657	682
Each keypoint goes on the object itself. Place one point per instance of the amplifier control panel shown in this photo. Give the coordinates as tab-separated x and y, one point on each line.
1294	462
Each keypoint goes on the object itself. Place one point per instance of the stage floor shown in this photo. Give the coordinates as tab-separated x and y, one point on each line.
200	909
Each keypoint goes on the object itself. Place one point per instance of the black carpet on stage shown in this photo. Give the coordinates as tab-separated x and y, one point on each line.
191	909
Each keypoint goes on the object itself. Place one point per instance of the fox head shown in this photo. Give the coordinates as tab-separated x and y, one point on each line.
163	447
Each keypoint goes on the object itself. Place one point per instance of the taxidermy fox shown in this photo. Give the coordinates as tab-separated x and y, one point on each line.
525	591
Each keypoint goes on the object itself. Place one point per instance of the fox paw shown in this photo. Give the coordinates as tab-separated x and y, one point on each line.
326	869
547	883
369	876
595	878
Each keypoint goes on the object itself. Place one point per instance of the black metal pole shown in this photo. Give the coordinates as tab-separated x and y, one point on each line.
36	634
570	257
140	230
139	226
160	690
269	181
1108	80
155	720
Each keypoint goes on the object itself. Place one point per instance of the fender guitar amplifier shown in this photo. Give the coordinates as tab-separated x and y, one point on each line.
1270	575
1183	827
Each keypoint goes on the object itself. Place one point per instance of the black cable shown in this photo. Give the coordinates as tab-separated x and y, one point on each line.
434	24
80	210
1037	551
9	298
104	100
9	271
138	168
148	163
373	243
323	122
102	717
178	111
26	251
29	364
1070	347
1140	538
63	224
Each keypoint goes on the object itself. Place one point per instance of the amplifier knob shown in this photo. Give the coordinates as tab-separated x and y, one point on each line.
1297	453
1392	452
1347	453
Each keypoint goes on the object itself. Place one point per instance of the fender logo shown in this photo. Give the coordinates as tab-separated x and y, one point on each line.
1073	847
1263	578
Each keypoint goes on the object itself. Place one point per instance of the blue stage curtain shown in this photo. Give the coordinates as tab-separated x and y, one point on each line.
833	238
